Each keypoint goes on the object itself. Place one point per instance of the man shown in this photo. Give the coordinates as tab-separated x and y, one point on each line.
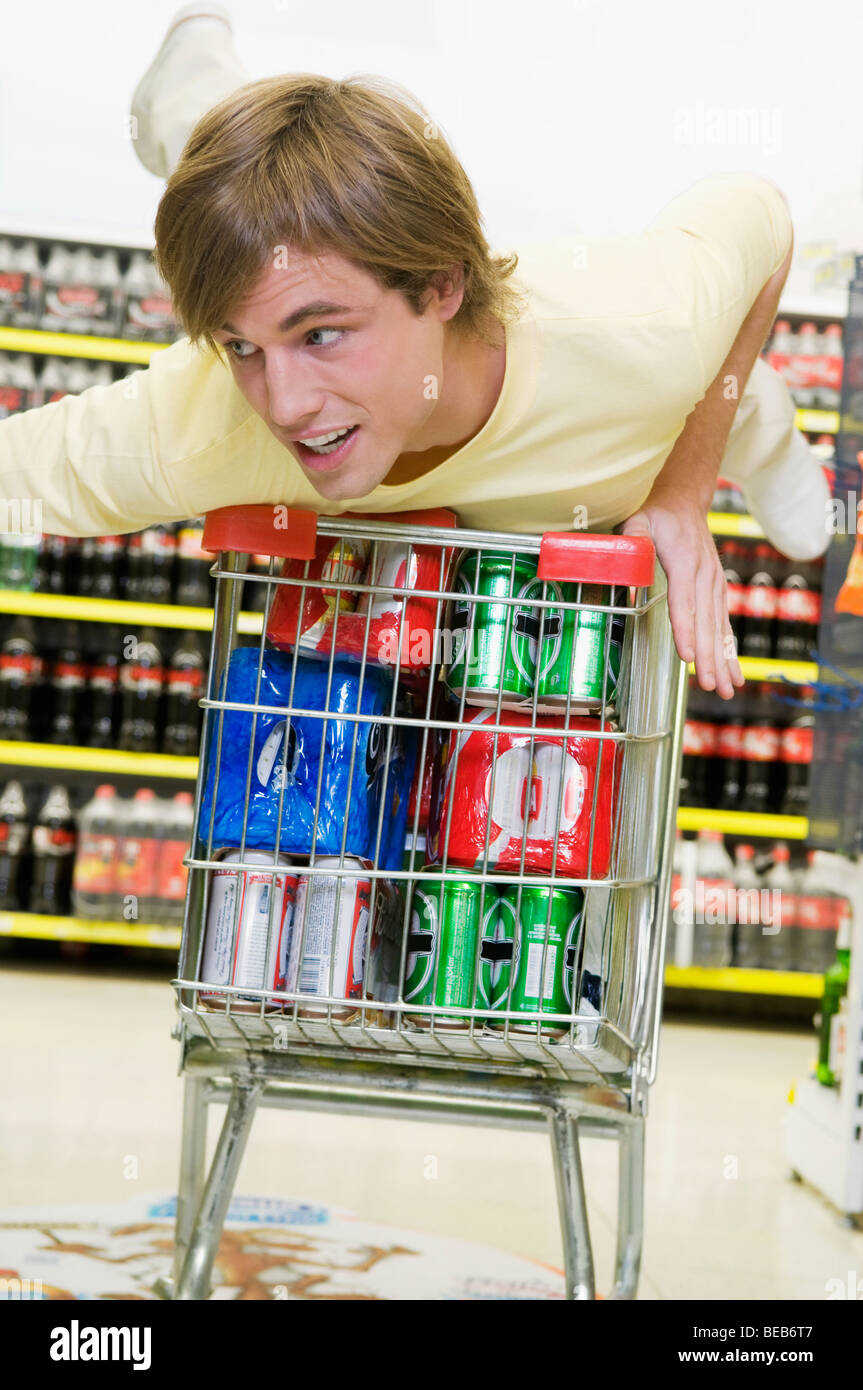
602	385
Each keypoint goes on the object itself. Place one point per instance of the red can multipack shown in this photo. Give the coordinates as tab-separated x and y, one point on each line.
525	796
389	628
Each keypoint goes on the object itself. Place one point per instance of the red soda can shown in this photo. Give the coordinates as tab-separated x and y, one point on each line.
404	628
385	629
256	955
525	800
306	616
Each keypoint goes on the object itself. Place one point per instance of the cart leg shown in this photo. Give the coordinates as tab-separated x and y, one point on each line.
630	1207
191	1181
204	1235
577	1252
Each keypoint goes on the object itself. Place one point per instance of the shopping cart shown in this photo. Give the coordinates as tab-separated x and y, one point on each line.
495	959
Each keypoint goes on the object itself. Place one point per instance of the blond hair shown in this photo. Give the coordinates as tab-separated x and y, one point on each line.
353	167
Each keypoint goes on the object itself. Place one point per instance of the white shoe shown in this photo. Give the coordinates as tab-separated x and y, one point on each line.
195	67
791	503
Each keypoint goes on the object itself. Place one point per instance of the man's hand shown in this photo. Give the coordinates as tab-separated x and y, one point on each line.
697	590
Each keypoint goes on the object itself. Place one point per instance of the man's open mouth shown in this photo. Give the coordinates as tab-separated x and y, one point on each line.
330	445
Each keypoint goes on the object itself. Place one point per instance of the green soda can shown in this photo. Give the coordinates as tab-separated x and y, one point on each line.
444	933
572	657
552	915
499	656
495	956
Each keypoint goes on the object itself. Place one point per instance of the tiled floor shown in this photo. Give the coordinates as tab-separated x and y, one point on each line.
92	1109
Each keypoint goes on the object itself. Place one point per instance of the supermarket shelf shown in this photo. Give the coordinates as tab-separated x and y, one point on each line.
800	672
825	829
101	610
39	341
98	610
743	823
734	524
817	421
106	761
77	345
790	983
34	925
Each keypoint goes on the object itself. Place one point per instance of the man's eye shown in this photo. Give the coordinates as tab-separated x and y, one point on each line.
237	348
337	331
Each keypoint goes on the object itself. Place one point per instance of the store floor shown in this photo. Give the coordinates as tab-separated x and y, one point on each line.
92	1115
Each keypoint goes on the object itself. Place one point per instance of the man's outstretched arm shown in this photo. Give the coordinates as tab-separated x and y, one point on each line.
675	511
161	445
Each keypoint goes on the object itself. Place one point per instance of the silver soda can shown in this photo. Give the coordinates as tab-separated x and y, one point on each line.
331	922
248	930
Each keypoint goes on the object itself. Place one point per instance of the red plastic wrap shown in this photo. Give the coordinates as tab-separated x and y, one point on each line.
398	632
525	789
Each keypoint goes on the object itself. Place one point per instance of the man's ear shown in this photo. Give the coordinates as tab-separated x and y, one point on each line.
448	287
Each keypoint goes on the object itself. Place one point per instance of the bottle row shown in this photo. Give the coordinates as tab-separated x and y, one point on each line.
115	859
760	764
27	381
767	915
774	604
810	361
83	289
98	687
161	564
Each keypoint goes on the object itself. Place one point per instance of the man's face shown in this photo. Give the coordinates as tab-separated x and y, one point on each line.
367	365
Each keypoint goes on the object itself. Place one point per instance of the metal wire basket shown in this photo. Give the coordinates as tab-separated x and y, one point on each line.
432	845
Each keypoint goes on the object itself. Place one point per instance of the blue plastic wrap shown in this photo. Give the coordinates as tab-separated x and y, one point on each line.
309	741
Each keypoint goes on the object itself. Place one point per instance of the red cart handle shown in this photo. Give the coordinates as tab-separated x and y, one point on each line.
579	558
575	557
262	529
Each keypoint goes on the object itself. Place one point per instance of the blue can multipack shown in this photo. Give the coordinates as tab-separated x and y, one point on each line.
349	816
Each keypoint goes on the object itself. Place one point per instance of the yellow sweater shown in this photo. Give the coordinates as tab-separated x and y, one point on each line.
622	339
